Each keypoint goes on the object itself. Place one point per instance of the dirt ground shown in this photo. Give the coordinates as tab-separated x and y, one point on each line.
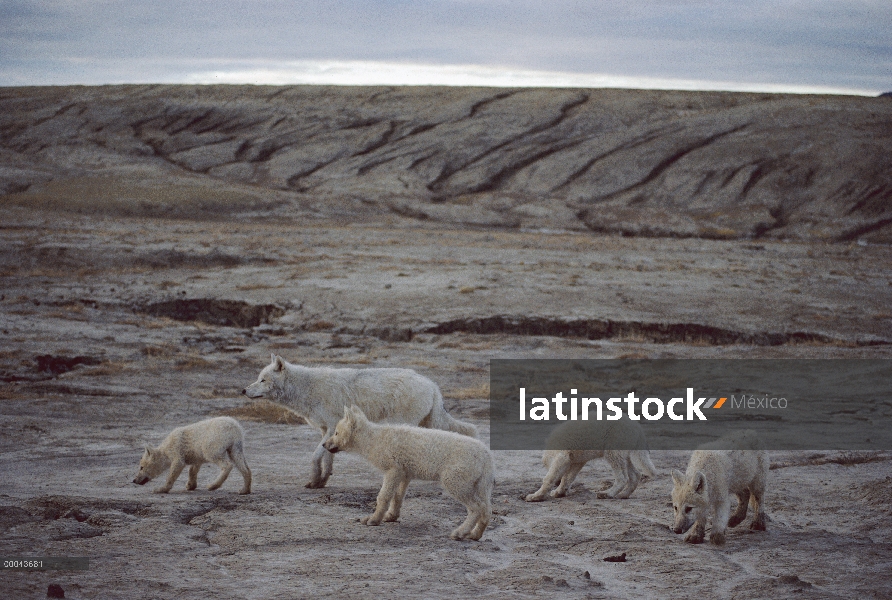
116	330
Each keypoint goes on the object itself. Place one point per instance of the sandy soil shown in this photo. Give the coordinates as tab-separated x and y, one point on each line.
116	330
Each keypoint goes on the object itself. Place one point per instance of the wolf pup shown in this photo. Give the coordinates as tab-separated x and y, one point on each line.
219	440
320	394
463	465
735	464
591	440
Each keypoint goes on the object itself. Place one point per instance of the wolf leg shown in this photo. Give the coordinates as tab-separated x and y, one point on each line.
388	489
743	500
396	503
225	469
567	480
619	464
238	458
322	465
720	521
175	469
757	501
484	514
193	477
559	465
633	478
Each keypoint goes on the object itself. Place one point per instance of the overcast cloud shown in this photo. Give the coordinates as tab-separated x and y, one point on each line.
796	45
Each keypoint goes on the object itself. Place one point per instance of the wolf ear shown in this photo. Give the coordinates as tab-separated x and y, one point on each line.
357	412
347	413
279	362
148	451
699	482
677	477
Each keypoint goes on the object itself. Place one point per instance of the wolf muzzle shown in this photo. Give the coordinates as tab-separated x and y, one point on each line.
333	449
141	480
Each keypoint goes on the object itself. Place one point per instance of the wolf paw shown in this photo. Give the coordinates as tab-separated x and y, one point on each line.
558	494
389	518
244	491
717	538
533	498
161	490
370	520
758	525
694	539
605	495
315	484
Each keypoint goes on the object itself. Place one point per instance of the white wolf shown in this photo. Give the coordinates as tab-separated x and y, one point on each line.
595	439
463	465
219	440
320	394
713	475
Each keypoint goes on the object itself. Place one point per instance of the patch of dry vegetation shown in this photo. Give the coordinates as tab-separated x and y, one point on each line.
160	350
264	411
106	369
9	392
477	392
193	361
847	458
134	197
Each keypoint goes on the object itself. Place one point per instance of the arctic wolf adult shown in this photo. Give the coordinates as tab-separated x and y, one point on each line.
582	441
714	473
219	440
320	394
463	466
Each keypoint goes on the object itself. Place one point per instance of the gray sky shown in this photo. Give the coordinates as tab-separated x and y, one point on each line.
776	45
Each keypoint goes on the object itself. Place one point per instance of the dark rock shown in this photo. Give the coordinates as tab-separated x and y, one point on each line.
215	312
618	558
60	364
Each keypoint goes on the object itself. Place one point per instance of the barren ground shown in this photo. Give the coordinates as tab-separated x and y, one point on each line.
116	292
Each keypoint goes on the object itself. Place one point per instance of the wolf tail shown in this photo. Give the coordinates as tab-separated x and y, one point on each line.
642	462
440	419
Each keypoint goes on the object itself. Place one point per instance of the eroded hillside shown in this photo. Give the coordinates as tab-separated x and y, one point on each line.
651	163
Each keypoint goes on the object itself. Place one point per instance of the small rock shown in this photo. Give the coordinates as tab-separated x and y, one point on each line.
619	558
794	581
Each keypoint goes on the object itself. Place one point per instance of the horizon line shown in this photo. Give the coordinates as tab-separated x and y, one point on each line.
392	73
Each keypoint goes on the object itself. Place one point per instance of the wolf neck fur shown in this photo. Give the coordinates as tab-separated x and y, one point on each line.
297	385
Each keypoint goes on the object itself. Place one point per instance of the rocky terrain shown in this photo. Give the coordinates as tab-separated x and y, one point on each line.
157	243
